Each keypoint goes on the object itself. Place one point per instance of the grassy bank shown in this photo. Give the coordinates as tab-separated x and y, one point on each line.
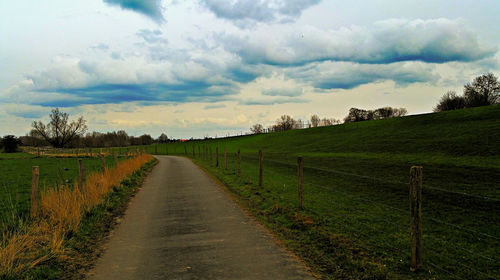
58	241
355	223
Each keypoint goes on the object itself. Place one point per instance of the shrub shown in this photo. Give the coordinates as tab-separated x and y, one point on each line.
450	101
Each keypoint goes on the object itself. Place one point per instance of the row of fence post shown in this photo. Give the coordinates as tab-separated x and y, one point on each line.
415	198
81	175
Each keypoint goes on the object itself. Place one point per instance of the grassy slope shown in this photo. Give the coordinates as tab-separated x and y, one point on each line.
355	223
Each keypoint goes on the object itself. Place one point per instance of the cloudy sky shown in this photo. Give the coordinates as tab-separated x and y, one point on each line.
213	67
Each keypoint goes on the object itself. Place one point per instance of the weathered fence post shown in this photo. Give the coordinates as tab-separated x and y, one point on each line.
225	158
34	191
416	218
300	174
239	163
81	170
103	163
216	156
261	159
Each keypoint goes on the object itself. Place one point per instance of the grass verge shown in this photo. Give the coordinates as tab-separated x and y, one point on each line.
61	242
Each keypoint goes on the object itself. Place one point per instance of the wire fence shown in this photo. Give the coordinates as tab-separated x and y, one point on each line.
377	217
455	249
16	178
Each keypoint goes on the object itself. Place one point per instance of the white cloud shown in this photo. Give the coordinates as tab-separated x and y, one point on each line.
435	41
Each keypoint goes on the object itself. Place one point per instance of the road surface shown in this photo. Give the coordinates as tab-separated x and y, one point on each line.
181	225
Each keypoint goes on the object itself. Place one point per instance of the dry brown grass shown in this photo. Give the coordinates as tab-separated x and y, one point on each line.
61	211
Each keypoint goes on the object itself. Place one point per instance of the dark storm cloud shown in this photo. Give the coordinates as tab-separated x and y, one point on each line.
149	8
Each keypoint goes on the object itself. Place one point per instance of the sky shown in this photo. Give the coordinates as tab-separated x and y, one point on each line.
215	67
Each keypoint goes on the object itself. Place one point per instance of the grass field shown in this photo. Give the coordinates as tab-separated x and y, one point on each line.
16	176
355	224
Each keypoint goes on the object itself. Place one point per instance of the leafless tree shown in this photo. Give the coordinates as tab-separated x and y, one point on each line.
284	123
59	131
315	120
257	128
484	90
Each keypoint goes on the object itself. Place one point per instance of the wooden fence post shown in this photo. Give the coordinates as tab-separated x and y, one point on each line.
416	218
216	156
225	157
261	159
300	173
81	170
239	163
103	163
34	191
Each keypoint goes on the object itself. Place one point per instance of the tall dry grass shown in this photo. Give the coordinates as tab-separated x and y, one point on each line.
61	211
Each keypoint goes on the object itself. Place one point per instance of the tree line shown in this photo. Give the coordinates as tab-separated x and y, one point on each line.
59	132
286	122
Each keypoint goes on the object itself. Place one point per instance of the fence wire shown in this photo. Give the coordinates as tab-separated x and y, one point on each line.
232	166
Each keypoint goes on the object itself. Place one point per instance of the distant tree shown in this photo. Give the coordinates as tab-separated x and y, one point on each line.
484	90
10	144
357	115
145	139
257	129
450	101
122	138
399	112
329	121
285	122
59	131
315	120
163	138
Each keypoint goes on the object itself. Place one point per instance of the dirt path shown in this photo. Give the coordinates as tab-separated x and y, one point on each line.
182	226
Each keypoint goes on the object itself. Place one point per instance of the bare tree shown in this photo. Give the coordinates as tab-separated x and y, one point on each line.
59	131
257	128
315	120
329	121
284	123
484	90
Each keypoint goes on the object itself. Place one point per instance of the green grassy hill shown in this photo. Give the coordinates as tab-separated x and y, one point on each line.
355	223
